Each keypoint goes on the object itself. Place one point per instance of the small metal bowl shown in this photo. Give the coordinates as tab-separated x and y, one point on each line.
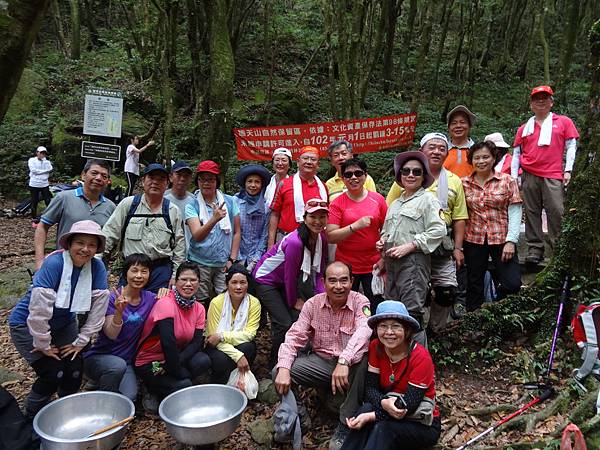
66	423
203	414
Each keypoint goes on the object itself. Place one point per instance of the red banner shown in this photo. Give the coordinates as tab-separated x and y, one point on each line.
365	135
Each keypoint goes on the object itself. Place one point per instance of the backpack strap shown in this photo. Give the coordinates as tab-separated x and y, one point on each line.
590	350
164	214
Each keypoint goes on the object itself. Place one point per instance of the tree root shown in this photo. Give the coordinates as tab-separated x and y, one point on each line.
501	408
529	421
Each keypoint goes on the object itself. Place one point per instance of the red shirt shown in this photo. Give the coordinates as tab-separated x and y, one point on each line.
358	249
546	161
283	202
419	373
488	207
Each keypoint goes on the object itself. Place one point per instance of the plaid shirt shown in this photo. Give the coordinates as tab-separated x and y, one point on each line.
333	334
488	207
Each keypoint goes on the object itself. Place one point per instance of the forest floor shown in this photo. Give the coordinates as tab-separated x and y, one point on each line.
460	389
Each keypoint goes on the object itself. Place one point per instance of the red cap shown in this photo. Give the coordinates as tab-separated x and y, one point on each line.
208	166
308	149
539	89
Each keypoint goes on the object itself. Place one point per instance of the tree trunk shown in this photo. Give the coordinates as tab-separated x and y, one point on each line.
220	93
544	42
58	25
75	30
570	36
407	38
20	21
440	51
459	46
193	42
422	56
90	22
391	12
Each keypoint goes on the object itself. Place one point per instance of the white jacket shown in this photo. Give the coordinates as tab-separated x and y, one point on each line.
39	172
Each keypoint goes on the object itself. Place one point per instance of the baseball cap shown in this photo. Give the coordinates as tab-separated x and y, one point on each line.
541	89
463	109
180	165
282	151
41	148
155	167
208	166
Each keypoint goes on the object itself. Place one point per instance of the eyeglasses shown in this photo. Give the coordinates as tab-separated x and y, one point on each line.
207	180
396	328
309	158
355	173
314	203
416	171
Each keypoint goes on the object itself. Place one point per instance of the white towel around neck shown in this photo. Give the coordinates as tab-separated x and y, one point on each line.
241	317
224	223
545	133
82	297
299	198
312	266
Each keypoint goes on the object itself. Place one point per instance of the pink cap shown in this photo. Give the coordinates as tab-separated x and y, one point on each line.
315	204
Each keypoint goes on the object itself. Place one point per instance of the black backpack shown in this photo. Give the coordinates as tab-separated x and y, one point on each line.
164	214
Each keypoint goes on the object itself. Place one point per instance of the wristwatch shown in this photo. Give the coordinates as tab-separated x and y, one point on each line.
343	362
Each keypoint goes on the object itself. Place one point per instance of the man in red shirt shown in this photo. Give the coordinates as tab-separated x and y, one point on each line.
287	208
540	146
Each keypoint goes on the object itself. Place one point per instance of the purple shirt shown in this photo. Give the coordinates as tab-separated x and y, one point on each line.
125	345
280	266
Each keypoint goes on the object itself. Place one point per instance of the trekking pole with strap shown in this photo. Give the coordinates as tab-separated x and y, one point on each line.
539	399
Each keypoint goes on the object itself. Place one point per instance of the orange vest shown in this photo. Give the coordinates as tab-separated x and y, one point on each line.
457	163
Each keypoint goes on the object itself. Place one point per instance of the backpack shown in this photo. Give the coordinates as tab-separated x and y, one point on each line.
164	214
586	332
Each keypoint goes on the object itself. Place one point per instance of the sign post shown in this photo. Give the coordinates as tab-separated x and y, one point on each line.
100	150
103	113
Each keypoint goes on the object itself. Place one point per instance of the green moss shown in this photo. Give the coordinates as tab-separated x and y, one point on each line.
28	96
134	123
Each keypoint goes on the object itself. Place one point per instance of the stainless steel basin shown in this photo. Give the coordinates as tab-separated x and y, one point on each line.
203	414
65	423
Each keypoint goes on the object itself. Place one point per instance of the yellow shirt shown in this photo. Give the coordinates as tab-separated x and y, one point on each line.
233	338
336	186
457	204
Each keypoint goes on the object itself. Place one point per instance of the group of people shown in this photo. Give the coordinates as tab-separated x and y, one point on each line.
201	271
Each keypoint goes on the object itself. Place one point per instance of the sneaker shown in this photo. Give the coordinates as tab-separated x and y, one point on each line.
339	436
458	311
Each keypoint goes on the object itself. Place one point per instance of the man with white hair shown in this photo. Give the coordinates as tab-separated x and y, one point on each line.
540	146
448	257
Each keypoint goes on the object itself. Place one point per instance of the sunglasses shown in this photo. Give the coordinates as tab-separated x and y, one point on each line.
315	203
416	171
356	173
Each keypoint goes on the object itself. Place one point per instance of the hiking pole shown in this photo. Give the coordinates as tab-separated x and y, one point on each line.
539	399
564	295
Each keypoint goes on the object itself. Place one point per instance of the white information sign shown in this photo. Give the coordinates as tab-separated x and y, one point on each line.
103	112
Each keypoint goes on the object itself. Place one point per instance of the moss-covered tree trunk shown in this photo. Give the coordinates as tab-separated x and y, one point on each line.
75	30
218	144
20	21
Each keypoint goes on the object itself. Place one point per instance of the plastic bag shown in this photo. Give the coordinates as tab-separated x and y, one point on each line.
565	443
245	382
377	284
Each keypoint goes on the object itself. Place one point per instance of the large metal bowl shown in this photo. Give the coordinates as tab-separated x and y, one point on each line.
65	423
203	414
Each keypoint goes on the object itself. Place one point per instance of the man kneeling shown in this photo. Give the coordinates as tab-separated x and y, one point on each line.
335	325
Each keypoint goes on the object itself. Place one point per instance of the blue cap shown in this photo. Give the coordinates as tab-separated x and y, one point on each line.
155	167
392	309
181	165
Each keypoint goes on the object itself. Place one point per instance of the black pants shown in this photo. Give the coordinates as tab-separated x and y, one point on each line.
508	274
282	316
364	280
131	180
392	434
38	194
223	365
163	385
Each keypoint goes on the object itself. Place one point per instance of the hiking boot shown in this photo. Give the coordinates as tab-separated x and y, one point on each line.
458	311
150	402
339	436
305	421
534	259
